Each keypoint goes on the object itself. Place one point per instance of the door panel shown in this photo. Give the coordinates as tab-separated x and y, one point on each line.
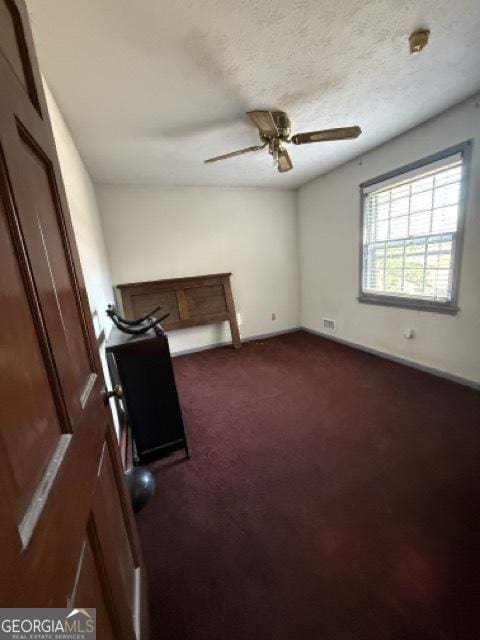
90	592
14	47
56	291
30	426
10	44
10	47
120	566
68	532
109	523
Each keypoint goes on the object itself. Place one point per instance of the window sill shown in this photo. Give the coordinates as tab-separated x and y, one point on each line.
414	305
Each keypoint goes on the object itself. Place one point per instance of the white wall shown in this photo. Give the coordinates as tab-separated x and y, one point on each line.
84	214
86	223
156	232
328	215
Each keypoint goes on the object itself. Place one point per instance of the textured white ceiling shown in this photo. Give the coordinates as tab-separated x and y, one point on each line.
150	88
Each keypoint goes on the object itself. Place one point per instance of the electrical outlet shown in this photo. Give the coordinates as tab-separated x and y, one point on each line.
239	319
274	316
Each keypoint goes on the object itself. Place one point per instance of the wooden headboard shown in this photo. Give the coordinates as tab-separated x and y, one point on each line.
189	301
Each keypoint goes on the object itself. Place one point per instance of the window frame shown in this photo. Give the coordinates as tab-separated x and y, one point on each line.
450	307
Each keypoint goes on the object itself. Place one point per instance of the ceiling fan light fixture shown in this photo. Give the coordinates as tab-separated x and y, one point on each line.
283	163
274	147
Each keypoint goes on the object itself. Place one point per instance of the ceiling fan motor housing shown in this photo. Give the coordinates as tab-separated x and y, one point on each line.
282	122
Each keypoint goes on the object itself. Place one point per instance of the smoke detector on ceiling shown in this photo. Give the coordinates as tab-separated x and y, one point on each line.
418	40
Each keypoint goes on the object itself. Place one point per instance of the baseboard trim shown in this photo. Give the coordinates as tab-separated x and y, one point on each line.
409	363
215	345
272	334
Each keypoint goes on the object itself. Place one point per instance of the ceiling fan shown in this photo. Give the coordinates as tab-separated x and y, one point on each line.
274	129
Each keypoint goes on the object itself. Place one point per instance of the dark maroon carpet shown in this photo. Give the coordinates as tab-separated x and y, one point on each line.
331	495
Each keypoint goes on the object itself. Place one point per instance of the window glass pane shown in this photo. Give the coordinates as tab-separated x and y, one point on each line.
447	176
394	256
415	260
382	230
420	223
393	280
413	281
375	279
401	191
409	235
382	196
421	201
432	260
400	207
399	227
442	285
430	282
444	219
448	194
445	260
415	245
422	184
377	257
382	210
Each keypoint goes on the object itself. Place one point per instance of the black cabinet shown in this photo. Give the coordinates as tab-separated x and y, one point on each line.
142	365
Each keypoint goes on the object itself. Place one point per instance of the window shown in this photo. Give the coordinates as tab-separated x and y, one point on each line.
412	222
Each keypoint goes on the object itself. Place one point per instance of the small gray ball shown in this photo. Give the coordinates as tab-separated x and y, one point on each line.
141	484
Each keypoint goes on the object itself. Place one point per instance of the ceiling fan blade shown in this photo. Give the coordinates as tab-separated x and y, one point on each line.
283	161
342	133
265	122
236	153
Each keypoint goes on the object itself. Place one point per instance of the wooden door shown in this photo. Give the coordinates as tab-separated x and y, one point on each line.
68	536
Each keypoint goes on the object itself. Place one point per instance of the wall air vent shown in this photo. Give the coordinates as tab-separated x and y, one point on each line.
328	325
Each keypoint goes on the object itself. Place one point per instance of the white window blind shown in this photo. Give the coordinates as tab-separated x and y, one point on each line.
410	232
